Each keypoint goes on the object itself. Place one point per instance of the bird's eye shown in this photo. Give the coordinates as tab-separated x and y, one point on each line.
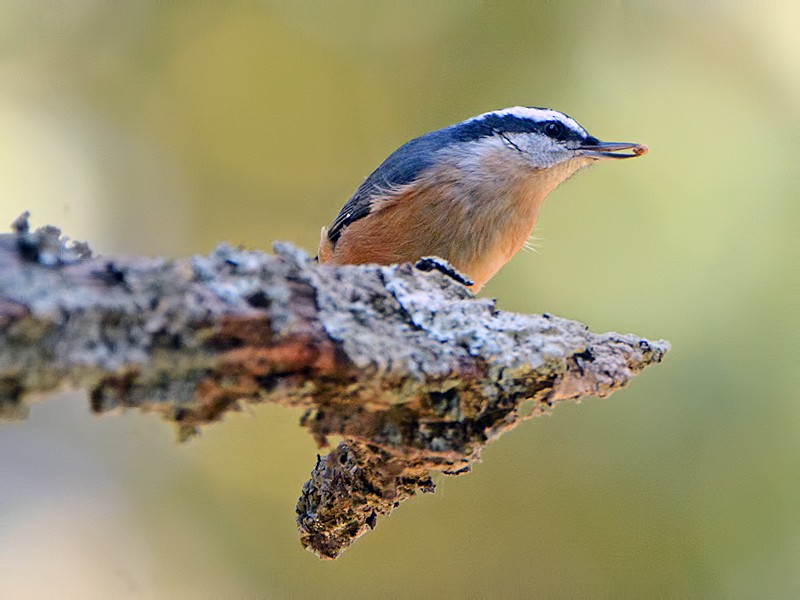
554	129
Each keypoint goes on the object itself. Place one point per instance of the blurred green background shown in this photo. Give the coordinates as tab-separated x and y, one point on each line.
164	128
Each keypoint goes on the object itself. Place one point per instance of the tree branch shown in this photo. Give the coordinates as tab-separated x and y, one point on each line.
413	371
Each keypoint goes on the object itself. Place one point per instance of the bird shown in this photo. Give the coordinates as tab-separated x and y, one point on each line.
469	193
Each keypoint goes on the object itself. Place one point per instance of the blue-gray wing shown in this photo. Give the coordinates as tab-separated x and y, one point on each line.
402	167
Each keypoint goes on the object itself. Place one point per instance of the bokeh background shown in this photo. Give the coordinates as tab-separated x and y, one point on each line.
164	128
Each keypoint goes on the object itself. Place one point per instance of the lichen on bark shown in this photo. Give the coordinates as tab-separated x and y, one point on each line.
414	372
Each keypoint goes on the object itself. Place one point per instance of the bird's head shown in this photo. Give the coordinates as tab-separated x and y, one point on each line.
536	138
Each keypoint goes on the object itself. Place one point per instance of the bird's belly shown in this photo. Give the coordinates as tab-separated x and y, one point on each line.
477	242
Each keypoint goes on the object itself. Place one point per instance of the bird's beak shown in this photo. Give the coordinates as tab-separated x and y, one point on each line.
594	148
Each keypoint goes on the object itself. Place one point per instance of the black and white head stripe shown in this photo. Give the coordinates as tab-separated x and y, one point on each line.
521	119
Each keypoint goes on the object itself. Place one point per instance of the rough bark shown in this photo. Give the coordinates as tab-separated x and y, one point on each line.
414	372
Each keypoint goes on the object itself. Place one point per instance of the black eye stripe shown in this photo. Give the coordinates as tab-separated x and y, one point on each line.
494	124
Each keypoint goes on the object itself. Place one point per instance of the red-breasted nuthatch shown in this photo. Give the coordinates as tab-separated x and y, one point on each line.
469	193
